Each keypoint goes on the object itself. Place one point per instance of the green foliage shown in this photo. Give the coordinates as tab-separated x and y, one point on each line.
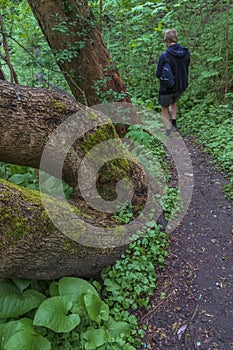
133	31
105	94
15	302
170	201
52	314
130	30
228	189
124	213
212	125
150	152
28	177
19	175
30	53
21	335
76	318
131	280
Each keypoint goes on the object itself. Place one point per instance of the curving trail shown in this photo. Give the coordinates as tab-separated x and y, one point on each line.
196	312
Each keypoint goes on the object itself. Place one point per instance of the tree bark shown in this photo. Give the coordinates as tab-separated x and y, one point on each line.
31	245
35	122
73	35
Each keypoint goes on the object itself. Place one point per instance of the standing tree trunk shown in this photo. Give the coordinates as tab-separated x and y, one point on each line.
74	37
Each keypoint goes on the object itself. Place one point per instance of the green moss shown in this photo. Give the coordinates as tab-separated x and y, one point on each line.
98	136
18	210
35	197
22	214
30	195
93	116
15	227
71	246
58	106
116	168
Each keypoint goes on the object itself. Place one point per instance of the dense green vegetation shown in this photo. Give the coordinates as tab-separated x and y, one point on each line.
133	33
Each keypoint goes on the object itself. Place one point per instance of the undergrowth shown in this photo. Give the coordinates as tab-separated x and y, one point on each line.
212	125
75	314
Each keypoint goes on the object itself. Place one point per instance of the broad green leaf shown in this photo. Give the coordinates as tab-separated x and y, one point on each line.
50	183
96	308
23	340
40	285
117	328
21	283
111	285
95	338
9	328
52	314
15	303
76	309
20	335
18	179
75	288
53	289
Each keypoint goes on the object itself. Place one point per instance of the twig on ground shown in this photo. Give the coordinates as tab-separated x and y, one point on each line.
188	327
154	308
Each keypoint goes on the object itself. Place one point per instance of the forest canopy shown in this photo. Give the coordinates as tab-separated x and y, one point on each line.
137	29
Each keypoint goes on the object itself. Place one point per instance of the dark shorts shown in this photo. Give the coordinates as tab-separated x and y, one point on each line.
167	100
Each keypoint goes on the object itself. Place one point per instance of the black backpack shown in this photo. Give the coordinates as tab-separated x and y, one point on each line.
167	80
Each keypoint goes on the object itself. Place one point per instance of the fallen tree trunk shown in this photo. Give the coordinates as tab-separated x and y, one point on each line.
28	117
32	244
32	247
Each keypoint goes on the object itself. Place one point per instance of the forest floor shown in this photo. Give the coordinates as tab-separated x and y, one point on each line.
192	307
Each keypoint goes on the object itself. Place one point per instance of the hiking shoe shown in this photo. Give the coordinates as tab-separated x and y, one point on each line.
175	128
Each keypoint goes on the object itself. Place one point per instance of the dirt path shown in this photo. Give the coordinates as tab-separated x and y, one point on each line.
196	311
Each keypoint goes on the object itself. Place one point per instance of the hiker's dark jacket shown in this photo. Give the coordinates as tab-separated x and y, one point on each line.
179	58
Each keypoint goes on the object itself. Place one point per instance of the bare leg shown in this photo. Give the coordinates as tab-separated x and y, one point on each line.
166	118
173	110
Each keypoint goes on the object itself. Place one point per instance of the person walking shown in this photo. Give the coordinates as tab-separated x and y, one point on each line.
179	59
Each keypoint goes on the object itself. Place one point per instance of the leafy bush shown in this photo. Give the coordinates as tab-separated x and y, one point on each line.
68	315
212	125
28	177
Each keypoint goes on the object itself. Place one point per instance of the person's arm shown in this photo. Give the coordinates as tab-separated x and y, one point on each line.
188	58
160	66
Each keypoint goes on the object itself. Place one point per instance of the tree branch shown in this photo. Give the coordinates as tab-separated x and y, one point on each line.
13	75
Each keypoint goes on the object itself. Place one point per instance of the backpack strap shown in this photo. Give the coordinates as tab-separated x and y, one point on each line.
167	60
166	57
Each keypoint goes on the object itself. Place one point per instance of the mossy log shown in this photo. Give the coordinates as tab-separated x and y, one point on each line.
31	246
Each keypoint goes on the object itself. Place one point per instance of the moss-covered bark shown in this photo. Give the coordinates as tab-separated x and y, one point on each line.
31	246
28	116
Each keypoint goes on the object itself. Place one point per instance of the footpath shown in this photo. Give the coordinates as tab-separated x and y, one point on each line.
192	308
